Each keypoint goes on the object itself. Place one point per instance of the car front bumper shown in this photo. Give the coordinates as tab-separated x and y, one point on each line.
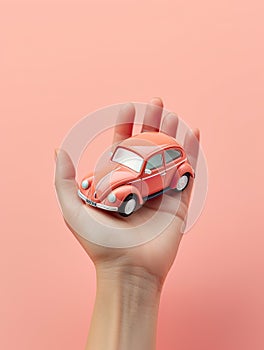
94	204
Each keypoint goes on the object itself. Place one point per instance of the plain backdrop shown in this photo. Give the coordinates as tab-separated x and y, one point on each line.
61	60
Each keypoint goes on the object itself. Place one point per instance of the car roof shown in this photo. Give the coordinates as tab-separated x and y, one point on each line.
147	143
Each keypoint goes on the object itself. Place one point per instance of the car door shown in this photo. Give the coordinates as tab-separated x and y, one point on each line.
172	157
153	175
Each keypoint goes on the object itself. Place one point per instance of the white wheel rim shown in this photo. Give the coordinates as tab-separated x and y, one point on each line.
182	183
130	206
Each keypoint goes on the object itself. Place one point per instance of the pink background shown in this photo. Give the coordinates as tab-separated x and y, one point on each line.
61	60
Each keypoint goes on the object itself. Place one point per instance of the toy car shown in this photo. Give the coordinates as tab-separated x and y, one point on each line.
140	168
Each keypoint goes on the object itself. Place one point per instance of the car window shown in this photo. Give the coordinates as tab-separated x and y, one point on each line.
154	162
128	158
172	154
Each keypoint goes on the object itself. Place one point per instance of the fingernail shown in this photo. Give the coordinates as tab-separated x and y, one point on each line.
156	101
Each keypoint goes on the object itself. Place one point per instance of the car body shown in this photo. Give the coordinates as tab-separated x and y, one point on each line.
140	168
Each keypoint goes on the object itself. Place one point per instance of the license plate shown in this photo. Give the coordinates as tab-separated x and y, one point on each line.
91	202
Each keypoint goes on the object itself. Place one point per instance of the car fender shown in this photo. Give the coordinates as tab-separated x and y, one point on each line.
88	177
123	191
182	169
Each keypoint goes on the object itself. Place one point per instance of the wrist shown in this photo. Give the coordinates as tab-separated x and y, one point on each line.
130	280
126	308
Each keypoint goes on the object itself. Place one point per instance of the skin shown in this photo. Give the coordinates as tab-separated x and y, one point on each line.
129	280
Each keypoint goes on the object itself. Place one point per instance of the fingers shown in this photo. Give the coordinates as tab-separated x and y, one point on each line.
153	115
169	124
124	124
191	147
65	184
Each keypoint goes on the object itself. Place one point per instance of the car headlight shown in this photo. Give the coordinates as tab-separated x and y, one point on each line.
111	197
85	184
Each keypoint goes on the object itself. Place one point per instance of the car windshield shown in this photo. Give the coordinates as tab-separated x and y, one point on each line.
128	158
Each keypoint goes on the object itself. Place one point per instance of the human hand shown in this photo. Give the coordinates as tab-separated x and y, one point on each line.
129	280
154	258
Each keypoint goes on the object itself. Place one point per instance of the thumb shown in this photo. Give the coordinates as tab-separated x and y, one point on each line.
64	166
65	184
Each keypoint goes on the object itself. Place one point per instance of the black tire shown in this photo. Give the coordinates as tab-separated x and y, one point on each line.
186	178
128	206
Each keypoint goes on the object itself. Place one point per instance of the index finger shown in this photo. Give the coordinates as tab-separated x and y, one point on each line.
124	123
153	115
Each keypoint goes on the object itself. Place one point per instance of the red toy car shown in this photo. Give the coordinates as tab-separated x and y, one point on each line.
141	167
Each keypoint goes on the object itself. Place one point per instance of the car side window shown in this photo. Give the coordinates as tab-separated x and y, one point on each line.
172	154
154	162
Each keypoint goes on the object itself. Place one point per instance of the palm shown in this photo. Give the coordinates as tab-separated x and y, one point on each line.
158	254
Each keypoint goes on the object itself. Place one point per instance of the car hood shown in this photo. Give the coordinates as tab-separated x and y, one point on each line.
110	177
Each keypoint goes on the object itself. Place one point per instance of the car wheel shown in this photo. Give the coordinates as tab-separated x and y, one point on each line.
129	205
182	182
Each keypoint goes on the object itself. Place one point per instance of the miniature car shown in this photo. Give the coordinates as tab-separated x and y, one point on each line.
140	168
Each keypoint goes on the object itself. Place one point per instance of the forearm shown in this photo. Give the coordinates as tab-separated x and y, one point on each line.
125	312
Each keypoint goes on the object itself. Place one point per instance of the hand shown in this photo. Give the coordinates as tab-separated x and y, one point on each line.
129	280
154	258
